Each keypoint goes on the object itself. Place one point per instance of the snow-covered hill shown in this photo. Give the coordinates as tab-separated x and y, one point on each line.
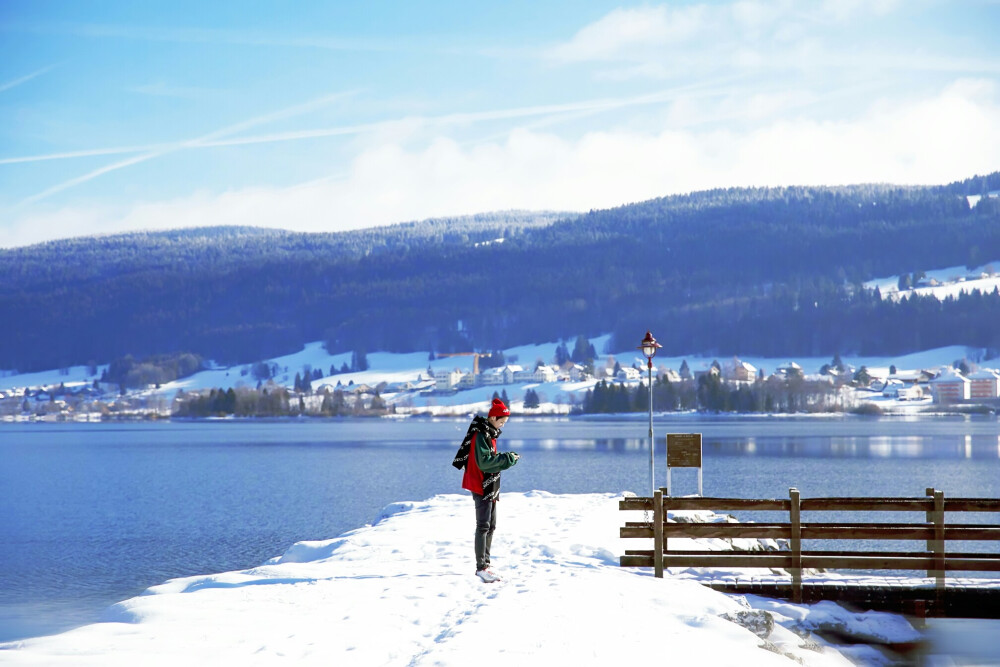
943	283
415	368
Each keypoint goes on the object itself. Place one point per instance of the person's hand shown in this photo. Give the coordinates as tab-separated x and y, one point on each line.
516	456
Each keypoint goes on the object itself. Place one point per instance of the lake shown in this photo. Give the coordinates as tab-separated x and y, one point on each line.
91	514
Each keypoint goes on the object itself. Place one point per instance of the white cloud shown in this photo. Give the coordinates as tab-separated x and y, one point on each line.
946	137
672	40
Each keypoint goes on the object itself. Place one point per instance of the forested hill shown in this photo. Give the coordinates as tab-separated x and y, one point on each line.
740	271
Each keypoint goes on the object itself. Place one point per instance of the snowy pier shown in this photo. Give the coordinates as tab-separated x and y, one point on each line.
402	592
728	555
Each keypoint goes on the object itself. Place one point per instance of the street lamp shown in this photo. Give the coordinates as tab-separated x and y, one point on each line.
649	347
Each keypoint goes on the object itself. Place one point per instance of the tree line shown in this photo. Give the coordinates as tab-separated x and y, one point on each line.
710	393
276	401
744	271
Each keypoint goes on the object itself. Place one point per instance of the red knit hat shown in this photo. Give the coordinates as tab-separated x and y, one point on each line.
498	409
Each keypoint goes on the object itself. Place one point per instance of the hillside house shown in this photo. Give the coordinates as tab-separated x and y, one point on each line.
540	374
445	381
984	383
626	374
789	370
903	391
714	370
922	376
668	374
501	375
951	386
740	371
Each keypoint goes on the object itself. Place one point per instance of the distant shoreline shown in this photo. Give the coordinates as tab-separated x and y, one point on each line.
985	412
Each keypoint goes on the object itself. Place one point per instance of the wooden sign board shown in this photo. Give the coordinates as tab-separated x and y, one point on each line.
684	450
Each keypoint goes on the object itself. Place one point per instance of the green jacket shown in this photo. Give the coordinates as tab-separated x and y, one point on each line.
481	463
489	460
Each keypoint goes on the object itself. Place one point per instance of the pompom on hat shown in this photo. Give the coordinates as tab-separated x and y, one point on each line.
498	409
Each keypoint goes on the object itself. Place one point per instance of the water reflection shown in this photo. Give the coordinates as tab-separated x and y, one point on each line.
870	447
966	446
610	445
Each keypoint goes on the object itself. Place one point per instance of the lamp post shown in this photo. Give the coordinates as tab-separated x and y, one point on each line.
649	347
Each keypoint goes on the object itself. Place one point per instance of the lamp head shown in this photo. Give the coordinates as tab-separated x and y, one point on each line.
649	346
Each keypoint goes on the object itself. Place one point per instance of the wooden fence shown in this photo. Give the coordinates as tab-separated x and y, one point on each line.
935	559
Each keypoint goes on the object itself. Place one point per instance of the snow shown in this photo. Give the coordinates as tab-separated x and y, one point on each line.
72	377
953	281
402	591
974	199
556	397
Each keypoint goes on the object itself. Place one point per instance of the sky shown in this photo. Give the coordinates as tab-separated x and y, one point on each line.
321	117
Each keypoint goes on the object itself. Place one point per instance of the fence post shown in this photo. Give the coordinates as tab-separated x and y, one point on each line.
929	518
658	533
938	546
796	544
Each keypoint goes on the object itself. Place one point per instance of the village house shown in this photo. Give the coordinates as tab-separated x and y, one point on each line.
903	391
791	369
668	374
951	386
445	381
627	373
541	374
501	375
740	372
985	383
714	370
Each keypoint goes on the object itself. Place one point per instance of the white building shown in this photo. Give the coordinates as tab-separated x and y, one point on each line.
902	391
498	376
540	374
669	374
627	373
447	380
951	386
984	383
739	371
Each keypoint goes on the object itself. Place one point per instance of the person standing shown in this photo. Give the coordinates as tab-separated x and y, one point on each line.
482	463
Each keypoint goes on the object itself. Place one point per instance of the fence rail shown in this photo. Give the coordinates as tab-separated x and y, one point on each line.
932	530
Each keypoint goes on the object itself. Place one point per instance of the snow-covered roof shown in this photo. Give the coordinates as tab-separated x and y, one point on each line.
950	375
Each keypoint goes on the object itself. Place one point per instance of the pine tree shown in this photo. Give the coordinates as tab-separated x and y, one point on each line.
531	399
562	354
359	360
583	351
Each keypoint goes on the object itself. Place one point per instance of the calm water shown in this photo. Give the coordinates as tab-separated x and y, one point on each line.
91	514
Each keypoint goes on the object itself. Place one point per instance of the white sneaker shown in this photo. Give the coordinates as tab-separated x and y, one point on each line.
488	576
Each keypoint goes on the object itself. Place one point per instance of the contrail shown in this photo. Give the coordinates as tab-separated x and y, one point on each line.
25	78
212	141
165	149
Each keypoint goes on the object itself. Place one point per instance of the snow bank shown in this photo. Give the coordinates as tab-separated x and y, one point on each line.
402	592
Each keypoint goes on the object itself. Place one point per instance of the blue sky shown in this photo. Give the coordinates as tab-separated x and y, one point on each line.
119	116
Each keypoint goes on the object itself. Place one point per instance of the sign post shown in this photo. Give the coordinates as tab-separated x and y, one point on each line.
684	451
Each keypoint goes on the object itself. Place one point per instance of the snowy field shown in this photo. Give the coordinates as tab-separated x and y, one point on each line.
953	281
556	397
402	592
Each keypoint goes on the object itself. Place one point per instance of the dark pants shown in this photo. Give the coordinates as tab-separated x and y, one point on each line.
486	523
